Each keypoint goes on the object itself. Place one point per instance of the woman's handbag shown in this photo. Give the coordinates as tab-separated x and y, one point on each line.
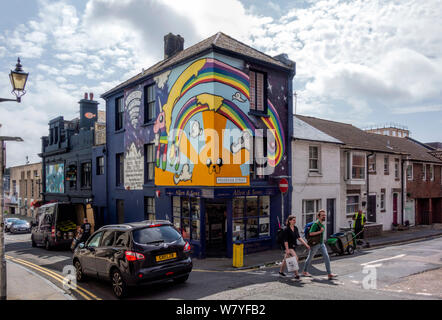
292	264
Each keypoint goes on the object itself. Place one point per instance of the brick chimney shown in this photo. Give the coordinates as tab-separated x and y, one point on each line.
172	45
88	112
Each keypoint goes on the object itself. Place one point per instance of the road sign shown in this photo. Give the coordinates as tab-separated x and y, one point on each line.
283	185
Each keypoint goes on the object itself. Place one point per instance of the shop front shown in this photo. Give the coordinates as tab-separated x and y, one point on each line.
214	219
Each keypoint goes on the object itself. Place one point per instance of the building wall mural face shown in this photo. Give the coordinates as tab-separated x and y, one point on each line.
55	178
203	130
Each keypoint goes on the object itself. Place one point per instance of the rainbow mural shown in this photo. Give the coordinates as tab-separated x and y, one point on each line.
171	129
273	122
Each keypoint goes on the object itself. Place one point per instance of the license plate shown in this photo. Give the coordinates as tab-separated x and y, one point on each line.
164	257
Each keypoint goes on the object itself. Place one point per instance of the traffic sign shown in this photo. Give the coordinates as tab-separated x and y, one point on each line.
283	185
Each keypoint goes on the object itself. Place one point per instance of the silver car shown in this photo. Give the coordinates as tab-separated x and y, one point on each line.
8	223
20	226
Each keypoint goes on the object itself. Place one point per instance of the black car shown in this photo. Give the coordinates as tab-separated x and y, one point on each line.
134	254
20	226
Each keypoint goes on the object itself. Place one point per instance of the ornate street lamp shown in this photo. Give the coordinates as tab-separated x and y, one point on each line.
18	81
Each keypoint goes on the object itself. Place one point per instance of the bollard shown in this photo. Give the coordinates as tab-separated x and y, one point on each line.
238	255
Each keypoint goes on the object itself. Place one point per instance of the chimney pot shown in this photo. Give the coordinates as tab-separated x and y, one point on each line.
85	96
91	96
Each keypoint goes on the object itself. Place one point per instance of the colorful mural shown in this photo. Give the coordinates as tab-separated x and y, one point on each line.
55	178
203	128
202	136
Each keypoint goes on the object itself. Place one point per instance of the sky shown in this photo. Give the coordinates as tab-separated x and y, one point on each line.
367	63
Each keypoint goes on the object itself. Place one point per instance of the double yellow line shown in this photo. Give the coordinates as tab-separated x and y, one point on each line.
78	289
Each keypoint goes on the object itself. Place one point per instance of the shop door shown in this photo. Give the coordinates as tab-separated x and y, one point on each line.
216	228
330	217
371	211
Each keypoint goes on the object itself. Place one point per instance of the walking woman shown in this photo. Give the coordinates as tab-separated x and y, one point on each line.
291	234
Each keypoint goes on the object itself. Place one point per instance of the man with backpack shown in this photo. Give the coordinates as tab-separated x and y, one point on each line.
315	239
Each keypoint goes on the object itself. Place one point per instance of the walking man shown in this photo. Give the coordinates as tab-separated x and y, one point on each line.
316	229
86	230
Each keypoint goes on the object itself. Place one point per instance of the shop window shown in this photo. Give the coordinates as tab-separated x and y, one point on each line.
186	217
251	218
149	208
71	176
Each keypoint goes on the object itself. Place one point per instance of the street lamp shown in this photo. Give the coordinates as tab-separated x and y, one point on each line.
18	81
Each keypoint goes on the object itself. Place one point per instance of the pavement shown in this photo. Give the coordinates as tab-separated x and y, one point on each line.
24	284
275	256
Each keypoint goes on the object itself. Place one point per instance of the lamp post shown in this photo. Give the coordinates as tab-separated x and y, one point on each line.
18	81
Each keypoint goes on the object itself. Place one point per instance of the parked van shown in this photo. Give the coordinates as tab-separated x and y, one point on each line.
56	223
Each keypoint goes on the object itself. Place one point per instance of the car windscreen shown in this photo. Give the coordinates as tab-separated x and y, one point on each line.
151	235
19	222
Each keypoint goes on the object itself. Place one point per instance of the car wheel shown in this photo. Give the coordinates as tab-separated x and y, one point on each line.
181	279
79	272
119	286
48	245
34	244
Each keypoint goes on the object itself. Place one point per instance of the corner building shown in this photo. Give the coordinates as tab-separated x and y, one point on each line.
180	139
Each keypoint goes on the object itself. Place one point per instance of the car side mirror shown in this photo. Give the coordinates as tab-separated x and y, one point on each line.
81	245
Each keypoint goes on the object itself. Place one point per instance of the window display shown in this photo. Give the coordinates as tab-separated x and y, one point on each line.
252	206
252	228
238	230
264	227
238	207
264	206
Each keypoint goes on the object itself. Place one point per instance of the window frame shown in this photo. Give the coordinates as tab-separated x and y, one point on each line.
261	217
253	104
119	115
119	167
349	163
382	200
431	166
317	205
84	176
396	168
149	103
347	213
424	171
147	164
318	159
386	165
253	167
100	166
410	178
